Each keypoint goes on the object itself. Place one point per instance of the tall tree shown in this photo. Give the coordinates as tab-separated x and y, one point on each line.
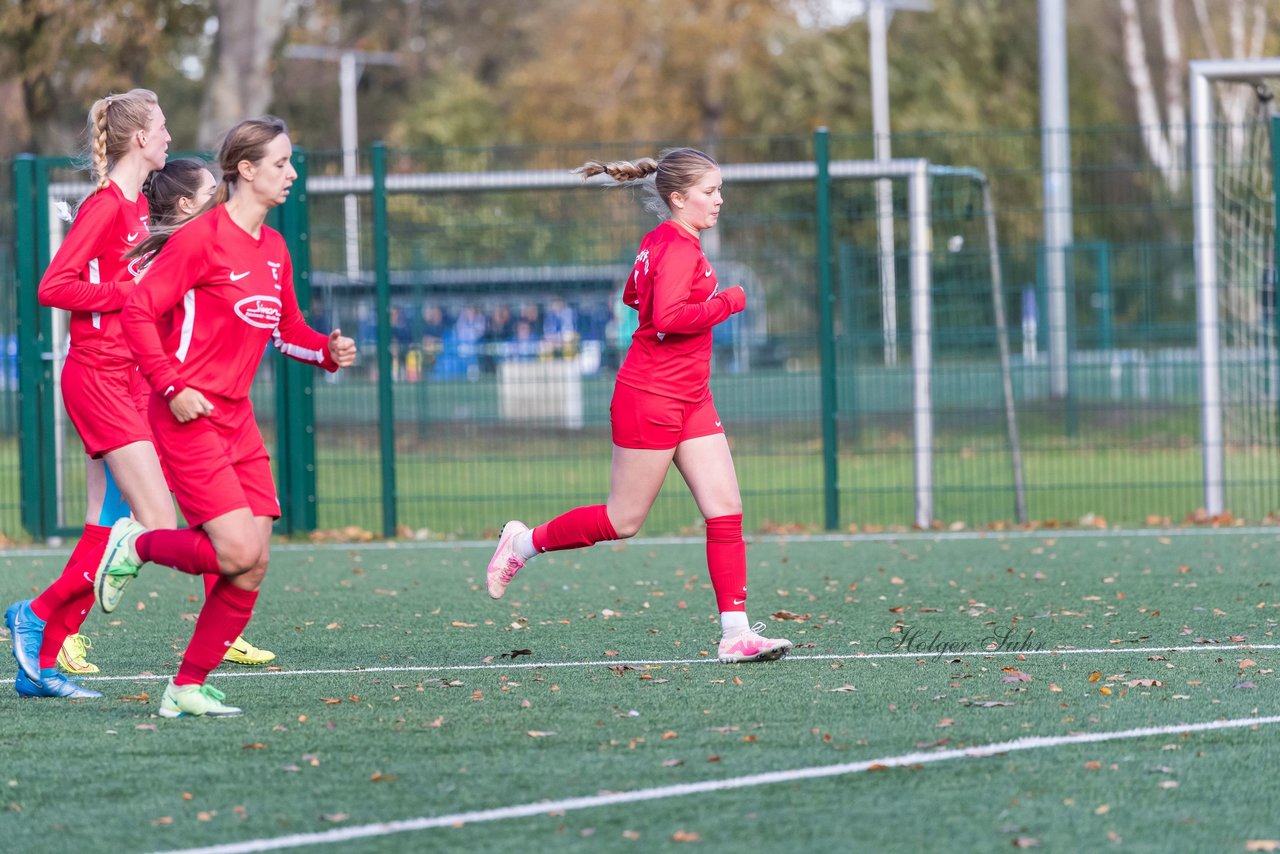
239	85
1236	30
58	56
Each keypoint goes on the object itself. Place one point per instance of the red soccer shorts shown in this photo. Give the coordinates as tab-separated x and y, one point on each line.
104	405
649	421
216	463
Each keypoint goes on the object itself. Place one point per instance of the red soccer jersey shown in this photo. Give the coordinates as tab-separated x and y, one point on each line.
90	277
674	288
209	302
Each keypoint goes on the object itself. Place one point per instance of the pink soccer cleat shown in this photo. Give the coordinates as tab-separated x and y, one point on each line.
749	645
505	563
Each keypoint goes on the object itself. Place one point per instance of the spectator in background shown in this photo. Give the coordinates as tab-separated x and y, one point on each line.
434	329
401	342
559	329
499	331
525	343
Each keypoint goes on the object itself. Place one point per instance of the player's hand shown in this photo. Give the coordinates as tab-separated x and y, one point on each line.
189	404
342	349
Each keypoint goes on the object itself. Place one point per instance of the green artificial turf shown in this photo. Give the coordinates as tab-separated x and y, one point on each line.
403	692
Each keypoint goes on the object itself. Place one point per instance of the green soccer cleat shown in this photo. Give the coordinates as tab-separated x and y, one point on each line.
73	657
119	565
195	701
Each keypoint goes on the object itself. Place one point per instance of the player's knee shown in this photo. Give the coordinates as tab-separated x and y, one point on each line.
626	527
241	555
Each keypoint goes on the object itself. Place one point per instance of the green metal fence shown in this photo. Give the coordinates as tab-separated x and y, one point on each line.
489	328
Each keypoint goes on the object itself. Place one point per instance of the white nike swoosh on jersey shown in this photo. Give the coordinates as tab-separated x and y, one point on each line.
717	423
87	577
707	272
235	277
739	601
167	391
129	238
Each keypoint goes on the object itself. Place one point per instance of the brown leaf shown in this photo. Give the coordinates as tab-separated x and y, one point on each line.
336	816
1095	676
790	615
331	701
256	745
1259	844
1145	683
1015	675
516	653
685	836
1025	842
537	733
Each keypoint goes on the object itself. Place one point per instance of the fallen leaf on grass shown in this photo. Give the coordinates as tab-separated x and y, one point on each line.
789	615
1013	674
537	733
685	836
843	689
331	701
168	819
146	727
379	777
1245	685
142	697
458	624
1095	676
672	763
1025	842
516	653
256	745
1262	845
335	816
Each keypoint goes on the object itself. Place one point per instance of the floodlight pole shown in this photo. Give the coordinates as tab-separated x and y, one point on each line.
1055	142
350	64
879	13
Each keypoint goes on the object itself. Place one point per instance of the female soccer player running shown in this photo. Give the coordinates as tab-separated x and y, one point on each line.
662	411
90	277
219	288
174	194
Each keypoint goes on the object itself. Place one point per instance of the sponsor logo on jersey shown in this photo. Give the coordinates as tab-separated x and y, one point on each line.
235	277
260	311
129	238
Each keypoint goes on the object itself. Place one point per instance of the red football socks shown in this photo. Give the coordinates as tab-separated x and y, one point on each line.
580	527
61	603
222	619
187	550
727	562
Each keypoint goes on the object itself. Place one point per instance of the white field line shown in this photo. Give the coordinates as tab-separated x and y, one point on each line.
639	542
346	834
676	662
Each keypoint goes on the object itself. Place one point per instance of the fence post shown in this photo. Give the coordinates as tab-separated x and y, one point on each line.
33	368
382	286
295	401
826	333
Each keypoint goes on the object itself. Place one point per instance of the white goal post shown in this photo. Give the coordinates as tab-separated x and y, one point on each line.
1215	397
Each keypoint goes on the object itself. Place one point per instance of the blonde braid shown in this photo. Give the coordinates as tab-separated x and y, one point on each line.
622	171
98	165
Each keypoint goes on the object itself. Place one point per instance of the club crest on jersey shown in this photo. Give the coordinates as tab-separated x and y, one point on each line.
275	270
260	311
